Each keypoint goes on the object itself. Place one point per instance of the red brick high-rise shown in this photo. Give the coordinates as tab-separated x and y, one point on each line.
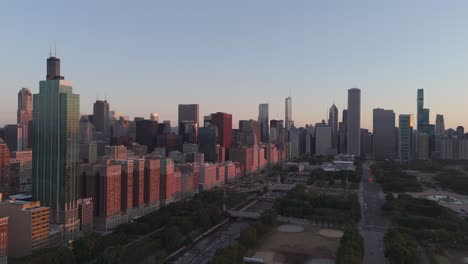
127	185
4	168
138	182
223	122
109	190
152	178
3	239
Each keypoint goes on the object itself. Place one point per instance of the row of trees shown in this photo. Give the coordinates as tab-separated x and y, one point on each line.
171	227
393	179
421	221
351	250
454	180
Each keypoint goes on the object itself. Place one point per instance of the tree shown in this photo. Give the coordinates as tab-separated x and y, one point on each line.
86	247
248	237
400	248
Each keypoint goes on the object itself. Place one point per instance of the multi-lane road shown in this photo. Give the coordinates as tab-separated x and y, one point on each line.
373	222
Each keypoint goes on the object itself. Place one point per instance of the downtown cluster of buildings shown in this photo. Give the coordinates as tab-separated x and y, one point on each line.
63	174
412	140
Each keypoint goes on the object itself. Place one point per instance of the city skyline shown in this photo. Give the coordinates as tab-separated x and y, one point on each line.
303	41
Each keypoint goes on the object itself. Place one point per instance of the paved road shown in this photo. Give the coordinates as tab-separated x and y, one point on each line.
373	223
205	249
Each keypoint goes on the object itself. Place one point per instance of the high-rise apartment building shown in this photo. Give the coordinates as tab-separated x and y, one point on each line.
152	181
110	180
101	119
333	123
384	134
288	113
354	122
264	122
4	168
439	125
4	240
56	115
405	129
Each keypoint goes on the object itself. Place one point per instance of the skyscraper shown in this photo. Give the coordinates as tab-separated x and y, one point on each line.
277	133
189	112
223	122
354	122
384	134
101	119
405	129
24	112
333	123
439	125
56	115
263	119
188	122
423	113
250	131
323	140
288	113
343	132
207	141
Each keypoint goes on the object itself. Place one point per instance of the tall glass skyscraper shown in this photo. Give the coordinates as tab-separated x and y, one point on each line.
264	122
288	113
423	113
333	123
56	115
405	131
354	122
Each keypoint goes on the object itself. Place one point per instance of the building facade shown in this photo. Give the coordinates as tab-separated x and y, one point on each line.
384	134
354	122
405	129
264	122
56	115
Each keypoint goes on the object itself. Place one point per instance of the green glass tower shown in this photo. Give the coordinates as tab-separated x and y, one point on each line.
56	114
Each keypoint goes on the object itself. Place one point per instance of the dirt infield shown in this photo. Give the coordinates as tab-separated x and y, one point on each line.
331	233
291	228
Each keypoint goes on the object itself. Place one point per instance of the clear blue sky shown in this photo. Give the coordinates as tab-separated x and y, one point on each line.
148	56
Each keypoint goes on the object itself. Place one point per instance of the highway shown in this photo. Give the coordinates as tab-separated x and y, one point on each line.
373	222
